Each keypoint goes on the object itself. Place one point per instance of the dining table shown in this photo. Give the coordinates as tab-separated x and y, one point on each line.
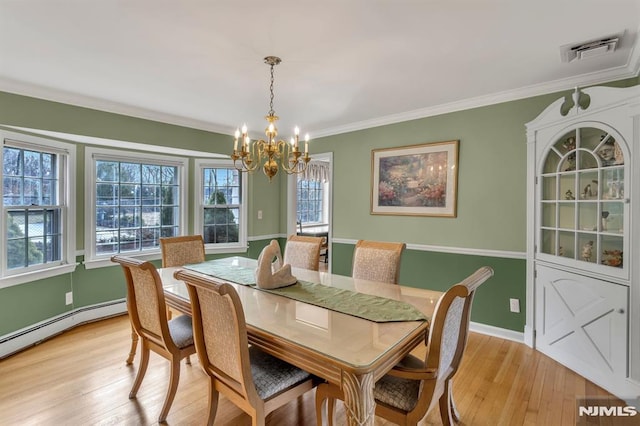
345	349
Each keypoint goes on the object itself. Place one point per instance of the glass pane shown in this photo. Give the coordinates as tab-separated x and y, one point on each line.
106	194
12	162
169	216
170	195
49	192
567	215
169	175
106	171
12	191
107	217
551	162
151	216
150	237
151	174
612	187
549	188
548	245
32	191
549	215
612	217
169	231
130	172
130	217
612	254
32	166
590	137
129	195
16	254
35	224
588	185
150	195
48	164
130	240
587	160
588	216
36	251
566	244
588	248
568	186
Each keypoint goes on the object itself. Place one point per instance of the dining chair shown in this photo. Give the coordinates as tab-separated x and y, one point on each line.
172	340
253	380
377	261
413	387
303	252
179	251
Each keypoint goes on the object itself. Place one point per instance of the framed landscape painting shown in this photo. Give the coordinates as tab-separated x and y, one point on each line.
418	180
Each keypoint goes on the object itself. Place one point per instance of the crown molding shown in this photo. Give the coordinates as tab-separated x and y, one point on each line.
630	70
614	74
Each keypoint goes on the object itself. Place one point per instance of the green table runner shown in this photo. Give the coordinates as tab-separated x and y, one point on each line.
361	305
233	273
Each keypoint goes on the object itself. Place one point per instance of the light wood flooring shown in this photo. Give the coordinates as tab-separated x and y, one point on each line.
80	378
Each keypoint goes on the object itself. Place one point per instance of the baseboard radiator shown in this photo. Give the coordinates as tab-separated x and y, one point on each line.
39	332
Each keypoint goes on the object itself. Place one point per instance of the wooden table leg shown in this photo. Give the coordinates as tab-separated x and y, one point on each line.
134	345
359	403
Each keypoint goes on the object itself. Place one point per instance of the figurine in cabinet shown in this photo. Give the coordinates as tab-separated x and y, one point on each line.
607	153
587	251
569	195
570	145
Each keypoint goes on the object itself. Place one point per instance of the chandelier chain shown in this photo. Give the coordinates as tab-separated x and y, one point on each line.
271	111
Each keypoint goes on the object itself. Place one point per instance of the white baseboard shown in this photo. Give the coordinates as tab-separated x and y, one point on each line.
503	333
36	333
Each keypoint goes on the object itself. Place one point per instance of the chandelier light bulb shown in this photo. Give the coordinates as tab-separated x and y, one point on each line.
244	129
296	131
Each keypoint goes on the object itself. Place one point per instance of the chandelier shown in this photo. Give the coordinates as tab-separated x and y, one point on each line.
251	154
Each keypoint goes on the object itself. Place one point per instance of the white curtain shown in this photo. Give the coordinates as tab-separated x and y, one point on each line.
317	171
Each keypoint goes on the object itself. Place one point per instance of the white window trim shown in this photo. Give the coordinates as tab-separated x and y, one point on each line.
92	154
68	183
198	218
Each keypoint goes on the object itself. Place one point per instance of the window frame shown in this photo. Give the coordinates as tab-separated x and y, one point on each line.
66	189
324	211
94	154
198	219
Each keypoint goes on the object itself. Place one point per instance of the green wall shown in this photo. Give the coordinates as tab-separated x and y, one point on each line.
490	216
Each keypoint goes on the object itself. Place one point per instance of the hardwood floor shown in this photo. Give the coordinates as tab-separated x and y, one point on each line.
80	378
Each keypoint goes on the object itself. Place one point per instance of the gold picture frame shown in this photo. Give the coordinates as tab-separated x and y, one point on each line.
415	180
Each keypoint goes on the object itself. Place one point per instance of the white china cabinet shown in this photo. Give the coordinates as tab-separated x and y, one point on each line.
583	239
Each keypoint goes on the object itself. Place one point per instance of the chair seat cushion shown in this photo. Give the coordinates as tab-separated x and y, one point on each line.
181	331
398	392
272	375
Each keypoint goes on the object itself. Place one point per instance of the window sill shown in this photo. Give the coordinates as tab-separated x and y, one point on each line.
37	275
106	261
224	249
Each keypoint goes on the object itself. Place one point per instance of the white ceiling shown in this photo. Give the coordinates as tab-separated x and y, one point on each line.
347	64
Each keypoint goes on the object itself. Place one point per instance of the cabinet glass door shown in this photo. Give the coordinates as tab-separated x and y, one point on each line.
582	211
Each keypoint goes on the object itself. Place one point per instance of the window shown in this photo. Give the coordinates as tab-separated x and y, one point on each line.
37	220
310	195
222	205
134	201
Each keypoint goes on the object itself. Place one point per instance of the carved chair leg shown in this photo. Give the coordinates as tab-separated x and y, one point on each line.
213	403
445	406
142	369
171	392
134	345
455	414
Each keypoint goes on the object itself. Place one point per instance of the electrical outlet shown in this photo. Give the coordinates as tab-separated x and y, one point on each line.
259	214
514	305
68	298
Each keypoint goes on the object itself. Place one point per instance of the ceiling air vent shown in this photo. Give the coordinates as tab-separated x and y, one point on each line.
590	49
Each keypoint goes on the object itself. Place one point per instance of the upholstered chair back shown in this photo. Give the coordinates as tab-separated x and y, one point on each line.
303	252
179	251
377	261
